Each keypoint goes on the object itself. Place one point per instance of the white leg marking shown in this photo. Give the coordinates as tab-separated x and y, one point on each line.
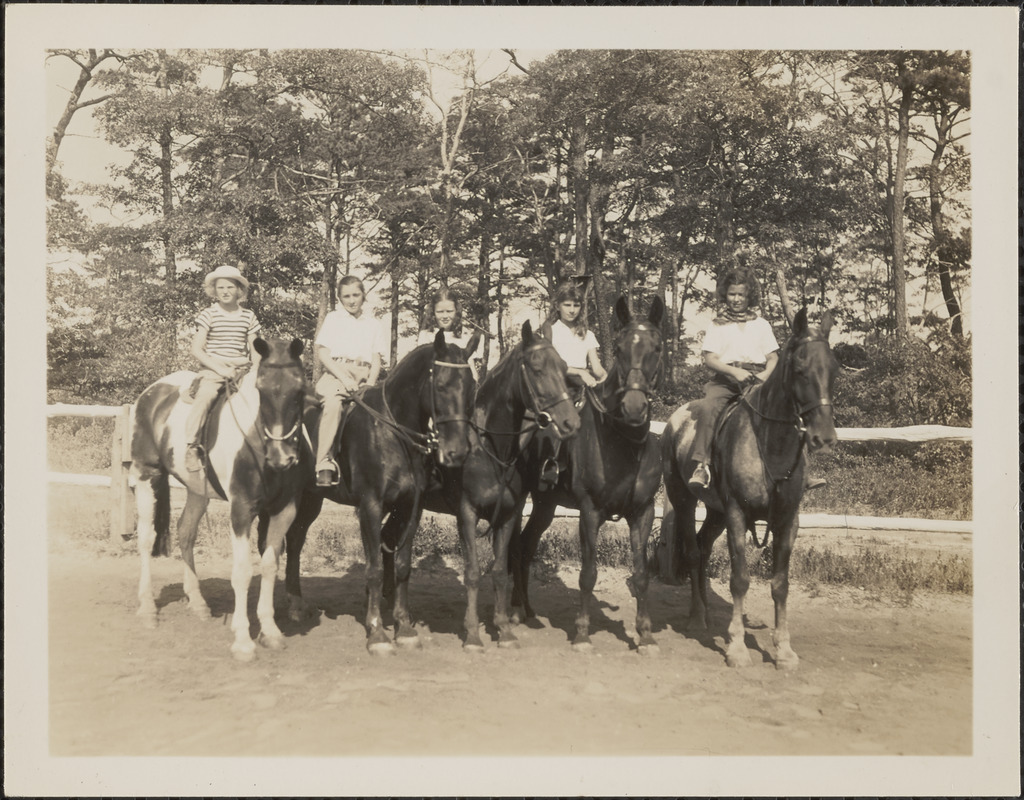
145	501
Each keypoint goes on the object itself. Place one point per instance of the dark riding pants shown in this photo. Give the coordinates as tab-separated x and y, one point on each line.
717	394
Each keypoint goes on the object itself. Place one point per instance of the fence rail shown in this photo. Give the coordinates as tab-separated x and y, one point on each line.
120	461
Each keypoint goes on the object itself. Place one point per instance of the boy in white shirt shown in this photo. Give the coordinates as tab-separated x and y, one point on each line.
350	345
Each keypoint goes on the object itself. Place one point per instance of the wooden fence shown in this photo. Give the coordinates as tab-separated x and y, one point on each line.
120	461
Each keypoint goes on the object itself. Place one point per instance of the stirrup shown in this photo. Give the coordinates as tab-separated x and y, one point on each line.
549	472
330	475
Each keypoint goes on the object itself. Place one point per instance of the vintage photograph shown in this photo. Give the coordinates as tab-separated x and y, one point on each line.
428	407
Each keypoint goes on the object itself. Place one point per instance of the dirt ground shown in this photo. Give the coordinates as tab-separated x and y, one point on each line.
875	678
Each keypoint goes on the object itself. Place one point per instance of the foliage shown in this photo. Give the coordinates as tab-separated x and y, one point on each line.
905	383
646	171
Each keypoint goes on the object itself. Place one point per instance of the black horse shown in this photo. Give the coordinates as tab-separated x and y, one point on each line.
524	392
614	470
758	462
386	444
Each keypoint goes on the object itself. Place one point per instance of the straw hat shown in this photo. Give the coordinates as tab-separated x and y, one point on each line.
229	272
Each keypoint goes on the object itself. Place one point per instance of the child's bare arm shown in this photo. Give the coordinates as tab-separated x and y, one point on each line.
596	367
375	364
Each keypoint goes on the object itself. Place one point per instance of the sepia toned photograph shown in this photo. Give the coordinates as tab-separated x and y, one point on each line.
431	395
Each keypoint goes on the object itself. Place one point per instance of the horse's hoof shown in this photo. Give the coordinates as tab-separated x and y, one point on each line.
787	660
508	644
738	660
585	647
473	647
243	654
650	650
200	611
409	642
517	617
272	642
696	624
148	619
381	649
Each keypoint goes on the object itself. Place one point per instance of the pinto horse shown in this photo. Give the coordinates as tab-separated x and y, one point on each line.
385	446
257	460
614	470
525	391
758	462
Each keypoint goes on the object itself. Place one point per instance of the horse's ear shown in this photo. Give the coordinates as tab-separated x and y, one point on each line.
527	332
622	310
473	344
440	345
261	347
657	311
546	331
295	348
800	321
826	323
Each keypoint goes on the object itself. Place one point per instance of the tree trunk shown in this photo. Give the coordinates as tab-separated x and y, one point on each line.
943	250
167	192
578	171
72	105
484	292
899	272
499	301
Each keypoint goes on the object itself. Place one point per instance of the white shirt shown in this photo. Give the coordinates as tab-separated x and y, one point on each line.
571	347
356	338
747	342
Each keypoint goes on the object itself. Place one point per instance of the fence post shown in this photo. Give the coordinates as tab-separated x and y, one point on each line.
120	461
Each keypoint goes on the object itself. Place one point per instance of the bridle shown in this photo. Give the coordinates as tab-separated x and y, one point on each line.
797	421
541	417
635	380
434	420
425	443
800	410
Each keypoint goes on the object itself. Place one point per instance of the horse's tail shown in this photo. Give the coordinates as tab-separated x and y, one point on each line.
161	486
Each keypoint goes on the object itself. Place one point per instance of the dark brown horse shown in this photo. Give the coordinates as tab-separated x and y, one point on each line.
385	447
758	461
257	460
525	391
614	470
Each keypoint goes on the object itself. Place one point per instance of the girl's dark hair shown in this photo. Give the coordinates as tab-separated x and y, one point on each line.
444	293
569	290
740	276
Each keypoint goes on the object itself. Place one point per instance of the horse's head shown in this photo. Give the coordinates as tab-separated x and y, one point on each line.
544	390
447	398
811	370
281	383
638	362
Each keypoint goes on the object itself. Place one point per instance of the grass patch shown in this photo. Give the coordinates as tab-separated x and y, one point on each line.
931	480
891	571
79	445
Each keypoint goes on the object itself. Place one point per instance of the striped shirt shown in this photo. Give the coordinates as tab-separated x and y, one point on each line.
227	332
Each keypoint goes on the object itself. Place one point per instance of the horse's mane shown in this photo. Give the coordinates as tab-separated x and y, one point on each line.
497	376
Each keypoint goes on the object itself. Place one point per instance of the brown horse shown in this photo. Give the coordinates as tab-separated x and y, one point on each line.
614	470
525	391
758	462
257	460
386	446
